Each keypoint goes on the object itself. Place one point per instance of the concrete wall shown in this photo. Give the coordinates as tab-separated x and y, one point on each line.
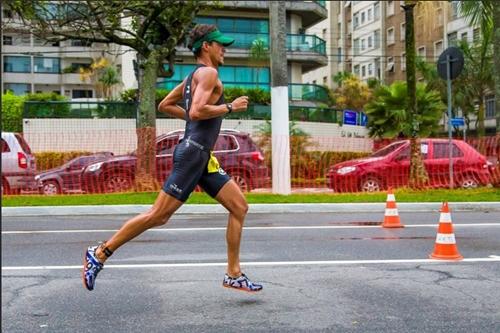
119	135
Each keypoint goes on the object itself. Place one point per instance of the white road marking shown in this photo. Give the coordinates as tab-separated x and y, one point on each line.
256	263
76	231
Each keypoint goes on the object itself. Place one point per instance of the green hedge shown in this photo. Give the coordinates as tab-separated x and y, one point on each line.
12	112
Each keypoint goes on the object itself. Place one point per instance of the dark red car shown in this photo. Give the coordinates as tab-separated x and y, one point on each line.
238	155
390	167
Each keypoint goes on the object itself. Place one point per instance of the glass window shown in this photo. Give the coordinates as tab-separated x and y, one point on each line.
369	15
363	71
370	41
225	24
376	39
403	31
17	88
376	11
5	147
82	94
356	70
17	64
390	36
7	40
421	51
442	150
363	15
490	107
226	74
370	69
47	65
464	36
403	61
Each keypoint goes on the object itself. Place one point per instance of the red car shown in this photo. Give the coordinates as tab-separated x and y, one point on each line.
390	167
236	152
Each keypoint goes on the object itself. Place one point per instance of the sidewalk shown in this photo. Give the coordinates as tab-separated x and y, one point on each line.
254	208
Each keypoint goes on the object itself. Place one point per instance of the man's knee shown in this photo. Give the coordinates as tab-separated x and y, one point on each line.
240	208
156	218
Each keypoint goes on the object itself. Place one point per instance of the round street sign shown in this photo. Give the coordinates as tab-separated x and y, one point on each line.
457	63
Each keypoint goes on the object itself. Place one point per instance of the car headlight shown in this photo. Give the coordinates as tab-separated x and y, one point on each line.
94	167
346	170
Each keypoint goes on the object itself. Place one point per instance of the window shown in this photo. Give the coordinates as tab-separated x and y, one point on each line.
355	21
490	107
390	8
363	17
370	70
376	11
438	48
325	80
452	39
402	31
403	61
363	71
167	145
17	64
464	36
79	42
7	40
339	54
225	143
17	88
82	94
47	65
439	17
369	15
442	150
390	36
476	35
376	39
370	42
390	65
421	51
356	46
5	147
356	70
363	44
454	10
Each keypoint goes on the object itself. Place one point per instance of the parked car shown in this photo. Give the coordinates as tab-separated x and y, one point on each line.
68	177
238	155
390	167
18	165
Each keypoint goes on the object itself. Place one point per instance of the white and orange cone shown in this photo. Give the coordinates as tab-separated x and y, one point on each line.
445	247
391	216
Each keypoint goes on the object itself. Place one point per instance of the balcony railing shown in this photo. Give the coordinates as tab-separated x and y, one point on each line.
294	42
296	91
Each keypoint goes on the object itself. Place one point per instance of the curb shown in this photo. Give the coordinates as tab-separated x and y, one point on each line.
254	208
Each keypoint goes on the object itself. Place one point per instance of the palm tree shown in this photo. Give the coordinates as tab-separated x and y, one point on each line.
390	117
480	13
108	79
258	53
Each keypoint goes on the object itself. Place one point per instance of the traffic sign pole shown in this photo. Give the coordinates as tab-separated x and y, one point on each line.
448	83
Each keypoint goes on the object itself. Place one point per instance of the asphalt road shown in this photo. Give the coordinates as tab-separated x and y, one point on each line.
321	273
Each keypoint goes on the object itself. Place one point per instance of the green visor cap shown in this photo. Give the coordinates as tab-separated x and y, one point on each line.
214	36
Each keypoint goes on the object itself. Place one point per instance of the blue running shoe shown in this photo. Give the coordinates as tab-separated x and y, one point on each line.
241	283
91	267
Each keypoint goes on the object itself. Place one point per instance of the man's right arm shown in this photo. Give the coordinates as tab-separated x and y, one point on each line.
169	103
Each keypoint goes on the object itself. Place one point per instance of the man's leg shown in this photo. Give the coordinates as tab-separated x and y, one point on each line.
95	256
231	197
159	214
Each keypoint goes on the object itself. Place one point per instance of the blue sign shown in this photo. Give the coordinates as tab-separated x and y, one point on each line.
457	122
350	117
364	120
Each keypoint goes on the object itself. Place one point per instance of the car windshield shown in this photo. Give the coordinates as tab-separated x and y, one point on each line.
387	150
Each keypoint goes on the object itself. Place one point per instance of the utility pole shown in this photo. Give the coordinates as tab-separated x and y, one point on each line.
279	100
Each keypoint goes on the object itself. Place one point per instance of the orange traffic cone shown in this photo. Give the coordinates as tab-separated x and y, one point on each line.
391	216
446	247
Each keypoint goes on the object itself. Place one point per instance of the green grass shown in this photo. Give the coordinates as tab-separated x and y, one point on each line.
403	195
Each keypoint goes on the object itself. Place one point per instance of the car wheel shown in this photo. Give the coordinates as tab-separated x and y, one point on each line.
242	181
51	187
371	184
469	182
117	183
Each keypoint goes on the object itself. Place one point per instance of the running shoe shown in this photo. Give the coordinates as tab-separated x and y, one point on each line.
91	267
242	283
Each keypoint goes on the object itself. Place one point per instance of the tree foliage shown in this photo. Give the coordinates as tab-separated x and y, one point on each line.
353	94
389	116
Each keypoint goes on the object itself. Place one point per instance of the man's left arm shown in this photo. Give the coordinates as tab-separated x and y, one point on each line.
169	104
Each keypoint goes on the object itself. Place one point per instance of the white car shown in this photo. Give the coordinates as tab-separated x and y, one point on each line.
18	165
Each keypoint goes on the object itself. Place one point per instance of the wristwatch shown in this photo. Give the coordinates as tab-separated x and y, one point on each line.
229	107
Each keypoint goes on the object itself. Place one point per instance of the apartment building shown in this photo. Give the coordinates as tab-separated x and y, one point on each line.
31	65
247	21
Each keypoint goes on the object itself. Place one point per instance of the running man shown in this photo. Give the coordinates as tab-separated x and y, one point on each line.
202	93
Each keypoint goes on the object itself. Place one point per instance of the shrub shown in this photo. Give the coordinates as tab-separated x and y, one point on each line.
51	159
48	109
12	112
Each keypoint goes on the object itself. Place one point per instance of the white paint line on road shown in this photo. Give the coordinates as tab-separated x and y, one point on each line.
76	231
263	263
